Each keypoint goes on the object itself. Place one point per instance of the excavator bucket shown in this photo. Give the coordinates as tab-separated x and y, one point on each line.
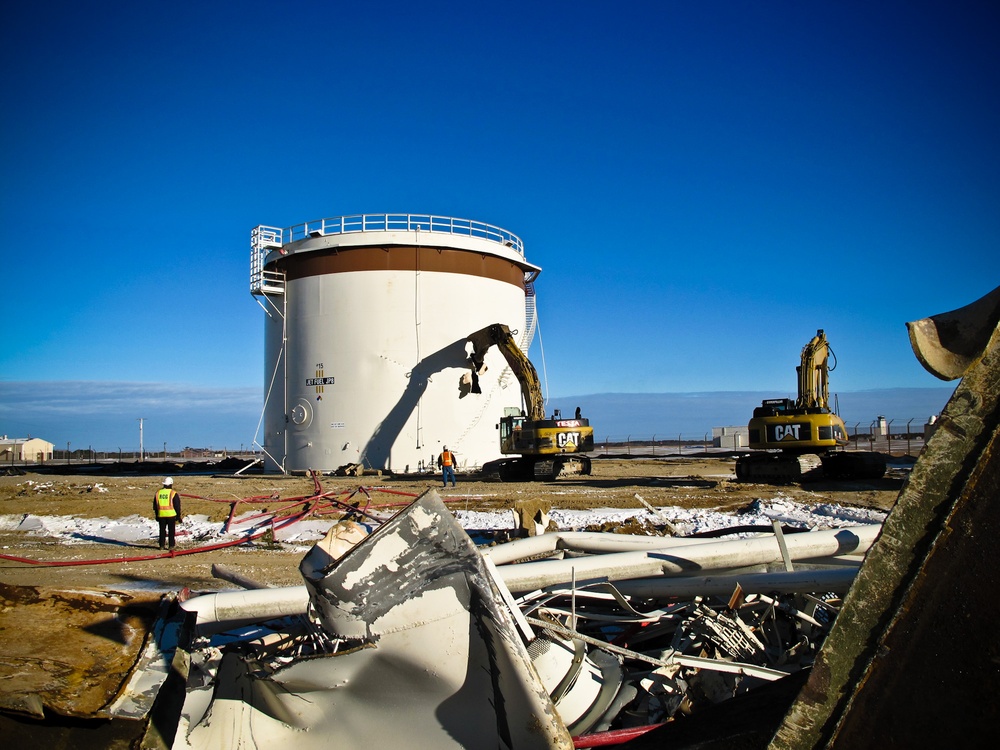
912	658
948	344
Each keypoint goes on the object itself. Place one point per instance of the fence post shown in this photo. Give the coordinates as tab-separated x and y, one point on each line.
908	436
888	437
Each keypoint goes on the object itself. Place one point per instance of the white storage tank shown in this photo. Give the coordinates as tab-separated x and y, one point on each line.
365	339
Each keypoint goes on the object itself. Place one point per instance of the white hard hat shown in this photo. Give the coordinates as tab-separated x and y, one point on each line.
168	482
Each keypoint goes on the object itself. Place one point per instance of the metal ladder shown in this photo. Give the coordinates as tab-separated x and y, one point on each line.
263	240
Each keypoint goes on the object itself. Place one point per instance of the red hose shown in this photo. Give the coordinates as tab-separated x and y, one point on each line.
287	521
143	558
614	737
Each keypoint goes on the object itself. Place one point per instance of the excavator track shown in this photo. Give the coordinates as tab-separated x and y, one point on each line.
807	467
553	468
854	465
779	467
531	468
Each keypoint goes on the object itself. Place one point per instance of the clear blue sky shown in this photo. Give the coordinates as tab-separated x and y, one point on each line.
704	184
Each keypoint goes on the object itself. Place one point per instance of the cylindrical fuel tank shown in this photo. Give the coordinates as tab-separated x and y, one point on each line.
366	360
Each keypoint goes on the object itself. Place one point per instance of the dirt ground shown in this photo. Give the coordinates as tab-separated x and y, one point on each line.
691	482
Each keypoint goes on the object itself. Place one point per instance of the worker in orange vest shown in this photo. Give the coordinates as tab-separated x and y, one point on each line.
446	461
167	510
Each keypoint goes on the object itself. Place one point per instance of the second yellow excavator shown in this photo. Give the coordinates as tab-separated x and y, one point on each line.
803	438
539	447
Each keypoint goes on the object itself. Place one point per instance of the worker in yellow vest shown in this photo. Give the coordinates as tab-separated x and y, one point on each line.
167	510
446	461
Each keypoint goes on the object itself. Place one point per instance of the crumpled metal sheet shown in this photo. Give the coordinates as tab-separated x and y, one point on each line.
428	656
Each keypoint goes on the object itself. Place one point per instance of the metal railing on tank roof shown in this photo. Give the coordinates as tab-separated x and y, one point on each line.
402	223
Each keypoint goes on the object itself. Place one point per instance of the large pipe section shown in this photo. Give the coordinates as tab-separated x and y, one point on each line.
837	580
229	609
581	541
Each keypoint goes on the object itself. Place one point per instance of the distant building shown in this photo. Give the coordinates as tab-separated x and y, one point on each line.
25	450
731	437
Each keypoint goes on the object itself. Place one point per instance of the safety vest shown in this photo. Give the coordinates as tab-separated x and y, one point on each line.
447	459
165	504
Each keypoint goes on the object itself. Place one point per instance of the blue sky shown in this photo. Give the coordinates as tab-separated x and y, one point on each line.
704	184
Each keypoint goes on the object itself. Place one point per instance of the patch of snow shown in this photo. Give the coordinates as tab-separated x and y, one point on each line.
135	528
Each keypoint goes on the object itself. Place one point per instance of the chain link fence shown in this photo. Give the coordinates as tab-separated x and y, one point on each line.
895	436
88	456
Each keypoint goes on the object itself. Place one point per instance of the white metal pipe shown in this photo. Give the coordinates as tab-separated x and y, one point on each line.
837	580
233	608
688	560
582	541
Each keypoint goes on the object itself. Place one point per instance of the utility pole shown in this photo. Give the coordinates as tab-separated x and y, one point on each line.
141	450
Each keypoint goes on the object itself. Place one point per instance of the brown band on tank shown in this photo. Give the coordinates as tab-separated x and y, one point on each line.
398	258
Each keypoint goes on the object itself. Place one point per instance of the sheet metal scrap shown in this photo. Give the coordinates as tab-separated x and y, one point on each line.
680	652
411	638
75	665
411	647
684	656
913	658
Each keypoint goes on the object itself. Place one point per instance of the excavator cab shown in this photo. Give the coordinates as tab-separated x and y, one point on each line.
772	407
511	427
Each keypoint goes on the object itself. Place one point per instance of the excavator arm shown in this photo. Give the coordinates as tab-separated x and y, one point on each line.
499	335
814	377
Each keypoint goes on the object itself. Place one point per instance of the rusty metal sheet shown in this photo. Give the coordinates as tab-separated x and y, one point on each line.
78	664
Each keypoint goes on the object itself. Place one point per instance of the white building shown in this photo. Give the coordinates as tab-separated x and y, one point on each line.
25	450
732	438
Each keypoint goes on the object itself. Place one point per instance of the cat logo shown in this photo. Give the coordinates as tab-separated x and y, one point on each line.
568	441
786	432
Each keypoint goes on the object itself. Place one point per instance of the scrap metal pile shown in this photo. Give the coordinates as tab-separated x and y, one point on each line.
413	636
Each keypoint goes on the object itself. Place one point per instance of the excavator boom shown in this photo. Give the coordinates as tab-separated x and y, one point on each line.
499	335
814	377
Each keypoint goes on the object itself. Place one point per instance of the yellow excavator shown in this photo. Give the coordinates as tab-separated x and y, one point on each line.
803	439
539	447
